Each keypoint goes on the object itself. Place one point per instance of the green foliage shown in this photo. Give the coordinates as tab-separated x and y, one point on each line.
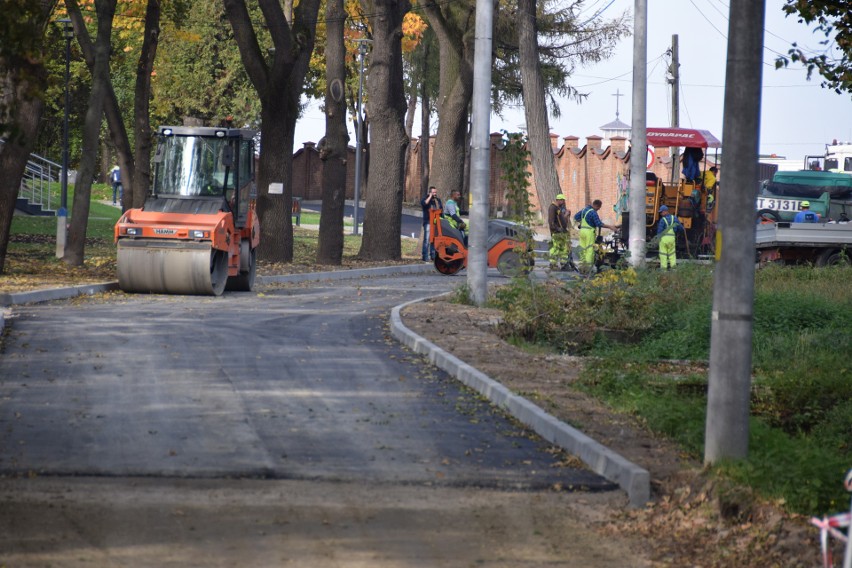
199	72
517	177
833	19
637	323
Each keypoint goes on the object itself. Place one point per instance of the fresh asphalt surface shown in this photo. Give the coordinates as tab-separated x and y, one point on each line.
301	381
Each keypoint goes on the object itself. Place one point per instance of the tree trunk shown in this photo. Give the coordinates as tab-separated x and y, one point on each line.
388	141
142	124
535	106
454	28
22	77
75	247
279	87
425	129
335	143
17	79
115	121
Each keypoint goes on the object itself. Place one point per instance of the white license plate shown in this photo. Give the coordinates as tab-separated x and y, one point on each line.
776	204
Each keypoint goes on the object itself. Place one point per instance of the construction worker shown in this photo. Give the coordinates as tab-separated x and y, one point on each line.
590	224
806	215
451	213
709	178
558	221
667	226
431	201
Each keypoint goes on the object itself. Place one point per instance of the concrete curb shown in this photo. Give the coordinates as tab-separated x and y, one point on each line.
56	293
634	480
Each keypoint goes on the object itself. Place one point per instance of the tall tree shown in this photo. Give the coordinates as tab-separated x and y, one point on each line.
115	121
453	23
833	18
388	140
23	79
538	51
335	143
279	86
535	104
141	179
75	247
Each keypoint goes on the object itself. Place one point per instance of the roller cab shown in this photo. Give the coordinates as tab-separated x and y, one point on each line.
197	232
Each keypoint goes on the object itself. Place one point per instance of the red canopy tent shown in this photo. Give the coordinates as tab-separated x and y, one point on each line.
686	137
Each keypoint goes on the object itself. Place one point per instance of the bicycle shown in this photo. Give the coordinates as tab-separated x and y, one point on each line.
830	526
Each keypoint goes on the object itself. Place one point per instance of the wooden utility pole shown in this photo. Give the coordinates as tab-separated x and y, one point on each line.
674	72
729	384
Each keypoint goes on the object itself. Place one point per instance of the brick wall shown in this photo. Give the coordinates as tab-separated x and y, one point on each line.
585	173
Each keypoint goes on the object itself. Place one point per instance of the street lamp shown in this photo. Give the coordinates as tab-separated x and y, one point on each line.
62	214
362	51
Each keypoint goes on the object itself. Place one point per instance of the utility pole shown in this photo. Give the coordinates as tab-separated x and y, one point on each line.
638	141
480	157
729	384
674	72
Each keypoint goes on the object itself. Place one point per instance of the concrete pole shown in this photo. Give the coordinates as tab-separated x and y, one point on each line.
728	396
359	143
480	157
638	141
62	213
675	80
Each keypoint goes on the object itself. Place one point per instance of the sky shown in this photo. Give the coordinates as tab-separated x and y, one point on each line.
798	117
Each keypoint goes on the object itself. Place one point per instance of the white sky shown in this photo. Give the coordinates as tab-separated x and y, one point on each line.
798	116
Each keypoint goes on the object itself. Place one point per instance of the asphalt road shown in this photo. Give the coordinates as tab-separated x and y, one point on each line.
296	382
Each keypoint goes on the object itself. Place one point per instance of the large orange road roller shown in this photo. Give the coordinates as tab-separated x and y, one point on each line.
197	232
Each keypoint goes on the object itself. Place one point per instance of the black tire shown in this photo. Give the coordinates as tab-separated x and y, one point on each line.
218	271
448	267
767	215
244	281
834	257
511	264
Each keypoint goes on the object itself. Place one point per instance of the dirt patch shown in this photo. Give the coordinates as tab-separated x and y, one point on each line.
692	520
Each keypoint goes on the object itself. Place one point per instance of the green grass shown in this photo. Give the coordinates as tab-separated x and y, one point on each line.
800	441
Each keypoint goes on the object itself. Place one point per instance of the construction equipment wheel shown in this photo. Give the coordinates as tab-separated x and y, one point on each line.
448	267
833	257
511	264
244	281
171	267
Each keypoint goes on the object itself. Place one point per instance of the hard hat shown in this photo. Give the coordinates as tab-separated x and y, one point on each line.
560	196
663	208
806	203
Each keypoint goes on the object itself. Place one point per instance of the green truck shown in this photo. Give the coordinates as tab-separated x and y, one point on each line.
829	194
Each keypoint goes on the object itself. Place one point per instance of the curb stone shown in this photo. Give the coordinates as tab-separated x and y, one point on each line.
631	478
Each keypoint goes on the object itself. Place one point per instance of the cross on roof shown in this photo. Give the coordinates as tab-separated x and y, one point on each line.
616	95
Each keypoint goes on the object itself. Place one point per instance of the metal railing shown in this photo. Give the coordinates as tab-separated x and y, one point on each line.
39	174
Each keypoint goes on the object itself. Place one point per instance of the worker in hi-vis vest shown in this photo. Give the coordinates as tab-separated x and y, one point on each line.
667	226
590	224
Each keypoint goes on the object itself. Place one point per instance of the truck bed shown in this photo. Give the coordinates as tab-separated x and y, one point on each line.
803	234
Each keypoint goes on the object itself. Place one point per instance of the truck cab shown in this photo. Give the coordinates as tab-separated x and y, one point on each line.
829	194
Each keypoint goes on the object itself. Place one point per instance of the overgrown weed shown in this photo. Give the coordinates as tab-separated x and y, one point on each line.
801	388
